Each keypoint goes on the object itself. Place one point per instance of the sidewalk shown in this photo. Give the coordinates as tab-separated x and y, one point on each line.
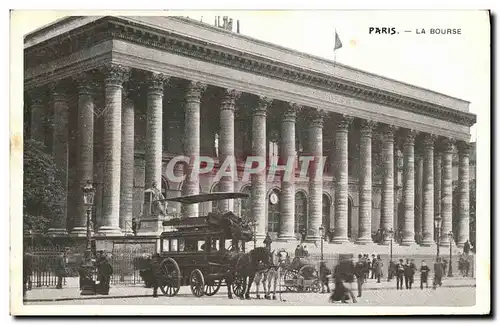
73	293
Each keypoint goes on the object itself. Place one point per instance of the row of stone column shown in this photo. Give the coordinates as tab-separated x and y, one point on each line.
118	149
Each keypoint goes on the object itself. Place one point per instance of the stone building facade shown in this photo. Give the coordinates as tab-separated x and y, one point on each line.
115	99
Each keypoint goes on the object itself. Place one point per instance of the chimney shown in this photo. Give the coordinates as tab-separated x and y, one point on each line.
238	26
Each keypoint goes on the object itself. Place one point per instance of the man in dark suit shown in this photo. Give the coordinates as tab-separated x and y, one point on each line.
104	272
424	274
400	270
156	273
60	268
359	271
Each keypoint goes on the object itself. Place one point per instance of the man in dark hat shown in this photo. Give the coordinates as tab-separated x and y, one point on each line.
104	272
359	271
268	241
324	272
400	271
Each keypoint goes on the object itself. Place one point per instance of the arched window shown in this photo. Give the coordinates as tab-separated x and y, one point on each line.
326	212
273	213
245	205
300	212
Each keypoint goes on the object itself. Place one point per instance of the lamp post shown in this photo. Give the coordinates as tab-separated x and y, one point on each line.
322	233
450	269
88	199
390	234
437	225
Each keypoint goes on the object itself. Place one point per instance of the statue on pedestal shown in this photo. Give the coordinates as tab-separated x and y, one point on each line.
158	207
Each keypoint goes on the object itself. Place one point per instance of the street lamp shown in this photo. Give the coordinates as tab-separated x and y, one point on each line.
322	233
88	200
437	225
450	270
390	234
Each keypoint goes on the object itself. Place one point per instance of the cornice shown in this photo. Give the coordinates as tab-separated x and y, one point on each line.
115	28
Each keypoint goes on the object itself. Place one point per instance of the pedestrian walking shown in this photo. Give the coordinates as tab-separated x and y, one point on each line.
410	273
438	273
27	271
378	268
400	270
60	269
104	272
298	251
359	272
324	273
343	274
372	266
424	274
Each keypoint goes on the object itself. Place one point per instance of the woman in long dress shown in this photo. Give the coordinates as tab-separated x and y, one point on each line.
343	273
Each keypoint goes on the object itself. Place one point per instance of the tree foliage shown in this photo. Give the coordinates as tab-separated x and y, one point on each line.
41	190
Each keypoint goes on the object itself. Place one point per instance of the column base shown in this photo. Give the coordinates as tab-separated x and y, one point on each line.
408	242
53	232
339	240
312	238
428	243
79	232
364	241
287	238
109	231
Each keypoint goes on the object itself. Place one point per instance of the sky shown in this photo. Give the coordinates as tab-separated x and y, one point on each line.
455	65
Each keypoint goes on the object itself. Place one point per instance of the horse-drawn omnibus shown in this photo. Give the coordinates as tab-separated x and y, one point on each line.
206	252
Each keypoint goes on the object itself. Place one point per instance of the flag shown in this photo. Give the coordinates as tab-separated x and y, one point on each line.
338	43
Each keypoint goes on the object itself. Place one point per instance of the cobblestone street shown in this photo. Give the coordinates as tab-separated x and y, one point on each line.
445	296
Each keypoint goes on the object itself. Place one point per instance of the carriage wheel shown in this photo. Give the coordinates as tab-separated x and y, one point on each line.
171	281
291	279
197	282
212	286
239	286
315	287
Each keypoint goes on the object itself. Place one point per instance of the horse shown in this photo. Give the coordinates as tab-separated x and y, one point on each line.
245	267
271	275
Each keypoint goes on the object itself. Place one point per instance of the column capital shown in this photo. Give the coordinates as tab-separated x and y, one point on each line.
115	74
86	82
38	96
263	104
464	148
343	122
409	137
447	145
388	130
194	91
230	98
156	82
290	112
129	92
429	140
316	117
59	90
366	128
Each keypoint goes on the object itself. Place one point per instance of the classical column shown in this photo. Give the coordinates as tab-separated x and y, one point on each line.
60	153
438	158
446	191
342	179
409	187
226	148
115	75
258	204
428	191
154	124
315	205
419	170
463	187
127	167
85	149
387	206
287	221
365	182
37	118
191	185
